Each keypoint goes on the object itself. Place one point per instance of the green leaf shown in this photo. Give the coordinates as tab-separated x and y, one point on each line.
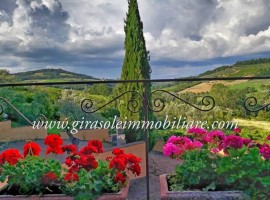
211	186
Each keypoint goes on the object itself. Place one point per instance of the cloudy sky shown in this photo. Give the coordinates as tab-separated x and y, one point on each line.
185	37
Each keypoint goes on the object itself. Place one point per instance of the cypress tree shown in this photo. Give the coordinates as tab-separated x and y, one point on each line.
135	67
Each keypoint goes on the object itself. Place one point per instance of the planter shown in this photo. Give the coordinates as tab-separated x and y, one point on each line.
165	194
122	195
34	197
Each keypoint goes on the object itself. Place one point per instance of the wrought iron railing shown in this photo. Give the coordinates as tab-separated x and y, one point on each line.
156	104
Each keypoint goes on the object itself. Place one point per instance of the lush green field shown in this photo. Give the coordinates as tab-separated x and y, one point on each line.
257	84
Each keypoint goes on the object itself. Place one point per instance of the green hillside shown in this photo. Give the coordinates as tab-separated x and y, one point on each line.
51	75
256	67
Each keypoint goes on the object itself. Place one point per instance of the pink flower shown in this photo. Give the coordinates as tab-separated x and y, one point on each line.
265	151
197	131
206	139
215	150
171	149
247	141
174	139
178	140
216	135
237	130
197	145
234	141
268	137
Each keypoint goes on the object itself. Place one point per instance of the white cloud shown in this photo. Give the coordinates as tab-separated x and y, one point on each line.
89	34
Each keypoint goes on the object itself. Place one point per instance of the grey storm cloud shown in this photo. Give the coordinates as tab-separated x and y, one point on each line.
87	36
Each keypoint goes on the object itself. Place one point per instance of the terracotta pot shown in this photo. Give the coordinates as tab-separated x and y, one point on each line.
165	194
45	197
122	195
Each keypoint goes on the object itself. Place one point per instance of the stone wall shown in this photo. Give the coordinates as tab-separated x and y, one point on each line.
8	134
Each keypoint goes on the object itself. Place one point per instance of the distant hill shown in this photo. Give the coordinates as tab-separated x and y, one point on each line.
256	67
51	75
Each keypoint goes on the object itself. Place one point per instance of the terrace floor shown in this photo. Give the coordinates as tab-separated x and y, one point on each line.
159	164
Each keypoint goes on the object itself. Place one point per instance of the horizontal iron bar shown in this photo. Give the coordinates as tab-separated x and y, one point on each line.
135	81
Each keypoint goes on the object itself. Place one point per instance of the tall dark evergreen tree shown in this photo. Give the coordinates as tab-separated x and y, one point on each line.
136	66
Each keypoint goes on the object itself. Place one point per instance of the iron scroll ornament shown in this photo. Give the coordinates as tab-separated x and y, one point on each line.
157	105
252	102
133	104
39	118
160	103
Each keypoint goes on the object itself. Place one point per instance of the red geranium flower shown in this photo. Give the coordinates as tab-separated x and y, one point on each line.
118	162
11	156
69	148
121	162
135	169
54	143
119	177
68	162
117	151
73	169
97	144
87	162
134	164
48	178
71	177
55	150
88	150
53	140
32	149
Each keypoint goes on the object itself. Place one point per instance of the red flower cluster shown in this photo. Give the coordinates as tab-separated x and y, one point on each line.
84	158
31	148
119	177
97	144
69	148
10	156
54	143
122	161
117	151
71	177
88	150
76	160
48	178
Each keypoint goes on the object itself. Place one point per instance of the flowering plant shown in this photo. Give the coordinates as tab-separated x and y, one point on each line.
81	176
220	162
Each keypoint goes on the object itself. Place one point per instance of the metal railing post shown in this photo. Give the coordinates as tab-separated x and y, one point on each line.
146	132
